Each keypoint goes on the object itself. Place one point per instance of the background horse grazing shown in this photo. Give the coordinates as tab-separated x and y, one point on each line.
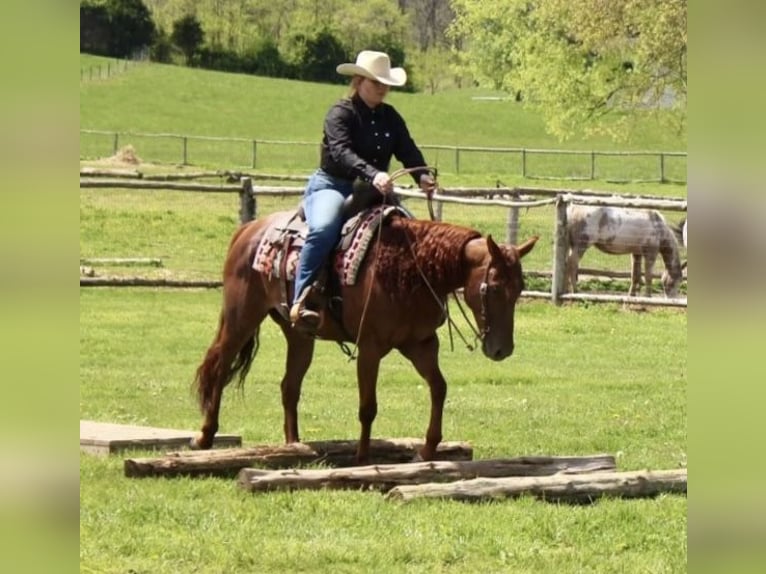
400	291
615	230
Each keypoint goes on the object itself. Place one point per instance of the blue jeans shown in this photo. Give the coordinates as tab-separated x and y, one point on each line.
322	202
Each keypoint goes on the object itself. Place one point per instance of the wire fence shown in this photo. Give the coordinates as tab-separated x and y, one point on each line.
530	163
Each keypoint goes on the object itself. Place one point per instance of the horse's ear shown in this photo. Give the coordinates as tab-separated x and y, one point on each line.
493	249
527	246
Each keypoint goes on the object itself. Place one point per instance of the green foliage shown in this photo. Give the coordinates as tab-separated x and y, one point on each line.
130	26
188	35
162	47
319	56
588	66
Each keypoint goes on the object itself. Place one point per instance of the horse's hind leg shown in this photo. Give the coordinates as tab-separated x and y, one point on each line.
300	350
230	353
635	275
424	356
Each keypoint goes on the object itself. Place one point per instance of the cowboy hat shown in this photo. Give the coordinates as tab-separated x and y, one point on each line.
375	66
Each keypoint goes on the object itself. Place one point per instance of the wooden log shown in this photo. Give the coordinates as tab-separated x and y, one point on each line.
150	261
146	282
160	185
559	487
115	172
385	477
228	462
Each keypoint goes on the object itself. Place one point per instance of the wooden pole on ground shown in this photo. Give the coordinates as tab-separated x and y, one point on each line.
385	477
228	462
559	487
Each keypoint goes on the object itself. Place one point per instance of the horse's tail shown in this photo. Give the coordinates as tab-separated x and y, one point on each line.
214	374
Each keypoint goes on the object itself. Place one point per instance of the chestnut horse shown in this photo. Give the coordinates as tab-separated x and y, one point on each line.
398	302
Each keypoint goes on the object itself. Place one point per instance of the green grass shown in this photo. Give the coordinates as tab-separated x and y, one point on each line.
583	380
190	232
157	98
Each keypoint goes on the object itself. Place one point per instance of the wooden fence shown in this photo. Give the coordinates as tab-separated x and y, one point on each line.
588	164
513	199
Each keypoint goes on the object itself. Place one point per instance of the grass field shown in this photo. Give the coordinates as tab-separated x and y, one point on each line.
585	378
157	98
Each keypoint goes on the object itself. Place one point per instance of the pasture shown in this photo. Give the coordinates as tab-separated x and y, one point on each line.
157	98
585	378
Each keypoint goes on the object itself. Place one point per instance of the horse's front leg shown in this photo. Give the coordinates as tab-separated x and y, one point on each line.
300	350
367	366
570	271
649	260
424	356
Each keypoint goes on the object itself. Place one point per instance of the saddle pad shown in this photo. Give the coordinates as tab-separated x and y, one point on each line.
278	251
283	239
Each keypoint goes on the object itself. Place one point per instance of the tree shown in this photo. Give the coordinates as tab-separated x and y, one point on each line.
590	65
130	26
188	36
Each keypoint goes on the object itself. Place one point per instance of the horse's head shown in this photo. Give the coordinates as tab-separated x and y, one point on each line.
672	281
673	274
493	287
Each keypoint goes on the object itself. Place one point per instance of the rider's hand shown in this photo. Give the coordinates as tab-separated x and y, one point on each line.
382	182
427	183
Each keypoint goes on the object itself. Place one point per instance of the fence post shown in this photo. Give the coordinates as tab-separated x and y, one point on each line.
512	227
457	160
247	204
255	149
662	168
185	141
559	251
592	165
523	162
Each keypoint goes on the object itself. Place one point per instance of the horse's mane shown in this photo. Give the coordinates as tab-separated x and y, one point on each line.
438	252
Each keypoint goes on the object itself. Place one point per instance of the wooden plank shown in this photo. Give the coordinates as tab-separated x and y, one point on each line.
229	462
559	487
147	282
107	438
385	477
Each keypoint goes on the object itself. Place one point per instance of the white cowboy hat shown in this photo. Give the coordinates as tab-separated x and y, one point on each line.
376	66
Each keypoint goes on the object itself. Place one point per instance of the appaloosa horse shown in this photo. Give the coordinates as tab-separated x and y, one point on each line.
642	233
396	301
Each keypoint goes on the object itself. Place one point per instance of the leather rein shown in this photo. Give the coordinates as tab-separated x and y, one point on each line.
478	335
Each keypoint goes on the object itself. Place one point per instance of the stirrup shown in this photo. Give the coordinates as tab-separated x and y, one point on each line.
304	319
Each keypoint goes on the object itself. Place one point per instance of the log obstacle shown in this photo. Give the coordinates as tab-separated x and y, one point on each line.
579	488
339	453
385	477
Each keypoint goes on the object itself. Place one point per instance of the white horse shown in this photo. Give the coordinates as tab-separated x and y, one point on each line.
642	233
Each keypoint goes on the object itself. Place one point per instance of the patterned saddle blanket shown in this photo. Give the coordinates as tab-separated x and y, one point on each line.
276	255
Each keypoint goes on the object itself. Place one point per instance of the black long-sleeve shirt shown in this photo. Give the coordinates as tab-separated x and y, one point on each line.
359	141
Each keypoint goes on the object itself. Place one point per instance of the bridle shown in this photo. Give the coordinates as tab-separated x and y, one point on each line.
483	312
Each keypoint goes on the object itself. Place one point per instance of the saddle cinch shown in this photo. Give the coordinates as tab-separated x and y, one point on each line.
277	253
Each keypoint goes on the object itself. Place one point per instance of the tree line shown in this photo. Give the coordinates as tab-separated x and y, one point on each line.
589	66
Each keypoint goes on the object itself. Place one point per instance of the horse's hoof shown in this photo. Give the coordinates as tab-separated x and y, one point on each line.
417	458
199	443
